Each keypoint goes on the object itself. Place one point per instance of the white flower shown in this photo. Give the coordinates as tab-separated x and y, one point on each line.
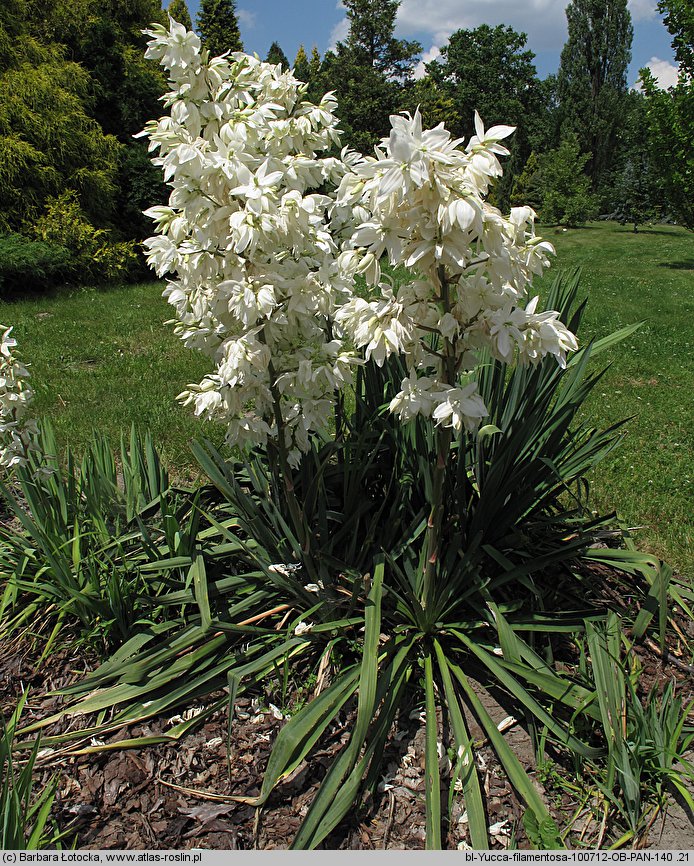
460	407
17	428
303	628
247	238
415	397
263	252
490	138
382	327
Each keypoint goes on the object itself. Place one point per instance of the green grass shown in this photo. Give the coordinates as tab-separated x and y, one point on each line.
629	278
102	359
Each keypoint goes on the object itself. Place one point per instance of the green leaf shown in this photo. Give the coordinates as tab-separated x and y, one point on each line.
472	792
302	732
558	730
431	761
313	826
199	576
515	772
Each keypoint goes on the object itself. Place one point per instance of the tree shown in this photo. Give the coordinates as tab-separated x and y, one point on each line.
105	38
301	65
670	115
564	187
178	10
527	186
507	91
638	192
310	72
679	20
371	40
591	83
435	104
487	69
368	70
219	27
275	55
314	64
48	141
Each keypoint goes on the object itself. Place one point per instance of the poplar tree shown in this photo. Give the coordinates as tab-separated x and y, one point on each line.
218	26
591	84
178	10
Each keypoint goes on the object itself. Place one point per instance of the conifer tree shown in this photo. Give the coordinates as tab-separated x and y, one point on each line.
371	39
301	67
563	186
45	101
218	26
275	55
314	64
368	70
178	10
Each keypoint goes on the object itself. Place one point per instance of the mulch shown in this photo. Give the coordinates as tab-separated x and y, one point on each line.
176	795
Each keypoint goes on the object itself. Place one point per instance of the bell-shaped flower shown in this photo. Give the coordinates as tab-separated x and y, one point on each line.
460	408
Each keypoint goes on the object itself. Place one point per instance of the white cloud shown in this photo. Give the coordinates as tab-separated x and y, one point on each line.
339	33
642	10
427	57
246	18
664	72
543	20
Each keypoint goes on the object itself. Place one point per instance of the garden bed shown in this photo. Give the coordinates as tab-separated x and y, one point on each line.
176	795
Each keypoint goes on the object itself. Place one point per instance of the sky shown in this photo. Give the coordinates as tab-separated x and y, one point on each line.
430	22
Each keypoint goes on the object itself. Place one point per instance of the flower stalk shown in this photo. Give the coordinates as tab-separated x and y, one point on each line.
448	375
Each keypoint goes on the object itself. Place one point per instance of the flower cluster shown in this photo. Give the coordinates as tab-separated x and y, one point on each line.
264	235
421	202
17	428
247	237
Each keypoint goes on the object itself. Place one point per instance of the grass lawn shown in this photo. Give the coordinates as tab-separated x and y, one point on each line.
645	277
102	359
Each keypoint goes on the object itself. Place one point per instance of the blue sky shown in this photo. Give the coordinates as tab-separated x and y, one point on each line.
430	22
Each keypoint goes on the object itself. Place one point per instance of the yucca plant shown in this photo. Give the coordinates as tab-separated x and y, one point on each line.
647	739
347	577
83	527
25	821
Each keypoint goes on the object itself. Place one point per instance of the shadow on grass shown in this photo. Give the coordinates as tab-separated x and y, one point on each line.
70	290
613	228
678	266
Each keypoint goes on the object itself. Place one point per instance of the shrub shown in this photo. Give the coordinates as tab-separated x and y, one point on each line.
48	141
30	265
564	186
267	589
94	257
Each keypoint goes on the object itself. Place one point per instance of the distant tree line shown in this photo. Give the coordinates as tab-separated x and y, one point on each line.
75	88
